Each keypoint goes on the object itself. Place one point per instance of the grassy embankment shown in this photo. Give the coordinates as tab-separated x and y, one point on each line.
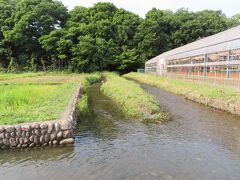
217	97
85	83
31	97
132	99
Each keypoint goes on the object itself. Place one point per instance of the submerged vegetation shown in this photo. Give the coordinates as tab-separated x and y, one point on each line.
88	80
214	96
132	99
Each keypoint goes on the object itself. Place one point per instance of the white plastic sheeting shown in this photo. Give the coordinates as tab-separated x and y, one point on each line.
226	40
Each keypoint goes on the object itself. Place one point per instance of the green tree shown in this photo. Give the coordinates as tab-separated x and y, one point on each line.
7	7
31	20
42	35
193	26
234	20
153	34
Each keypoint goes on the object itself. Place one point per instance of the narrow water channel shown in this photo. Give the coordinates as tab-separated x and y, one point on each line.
198	143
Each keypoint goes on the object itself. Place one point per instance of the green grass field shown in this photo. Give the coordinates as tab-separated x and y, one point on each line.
31	97
132	99
7	76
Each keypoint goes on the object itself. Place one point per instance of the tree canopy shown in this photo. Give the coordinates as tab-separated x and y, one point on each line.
43	35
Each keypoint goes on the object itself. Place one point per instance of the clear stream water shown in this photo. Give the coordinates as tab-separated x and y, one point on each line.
198	143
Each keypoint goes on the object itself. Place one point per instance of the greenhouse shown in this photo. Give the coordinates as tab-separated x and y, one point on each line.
214	58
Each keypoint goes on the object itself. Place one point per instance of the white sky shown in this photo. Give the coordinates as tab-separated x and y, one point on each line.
229	7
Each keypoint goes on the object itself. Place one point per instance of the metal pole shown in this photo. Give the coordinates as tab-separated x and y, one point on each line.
228	66
205	66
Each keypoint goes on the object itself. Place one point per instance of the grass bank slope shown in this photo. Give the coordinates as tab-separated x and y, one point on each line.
217	97
87	81
132	99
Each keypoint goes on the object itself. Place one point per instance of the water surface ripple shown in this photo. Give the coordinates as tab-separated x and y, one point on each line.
198	143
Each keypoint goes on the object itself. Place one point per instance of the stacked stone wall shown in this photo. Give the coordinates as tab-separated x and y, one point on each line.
46	133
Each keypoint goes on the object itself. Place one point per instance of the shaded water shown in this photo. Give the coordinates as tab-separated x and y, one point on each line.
199	143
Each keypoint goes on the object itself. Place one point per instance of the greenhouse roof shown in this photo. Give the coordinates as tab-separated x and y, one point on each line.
226	40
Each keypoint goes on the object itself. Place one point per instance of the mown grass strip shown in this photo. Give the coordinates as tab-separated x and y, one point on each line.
214	96
133	100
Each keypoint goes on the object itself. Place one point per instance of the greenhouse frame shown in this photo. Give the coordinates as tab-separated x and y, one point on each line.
215	58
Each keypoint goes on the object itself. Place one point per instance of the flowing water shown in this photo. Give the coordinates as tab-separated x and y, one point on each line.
198	143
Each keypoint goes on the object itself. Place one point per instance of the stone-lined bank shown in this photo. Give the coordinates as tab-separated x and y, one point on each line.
47	133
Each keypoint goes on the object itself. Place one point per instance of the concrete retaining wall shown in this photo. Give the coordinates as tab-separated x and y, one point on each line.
46	133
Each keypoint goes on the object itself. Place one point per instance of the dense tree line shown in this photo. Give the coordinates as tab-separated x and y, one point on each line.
43	35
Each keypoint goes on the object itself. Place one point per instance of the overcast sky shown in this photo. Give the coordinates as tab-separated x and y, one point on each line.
229	7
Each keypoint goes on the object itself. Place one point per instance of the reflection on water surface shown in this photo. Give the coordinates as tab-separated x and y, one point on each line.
198	143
